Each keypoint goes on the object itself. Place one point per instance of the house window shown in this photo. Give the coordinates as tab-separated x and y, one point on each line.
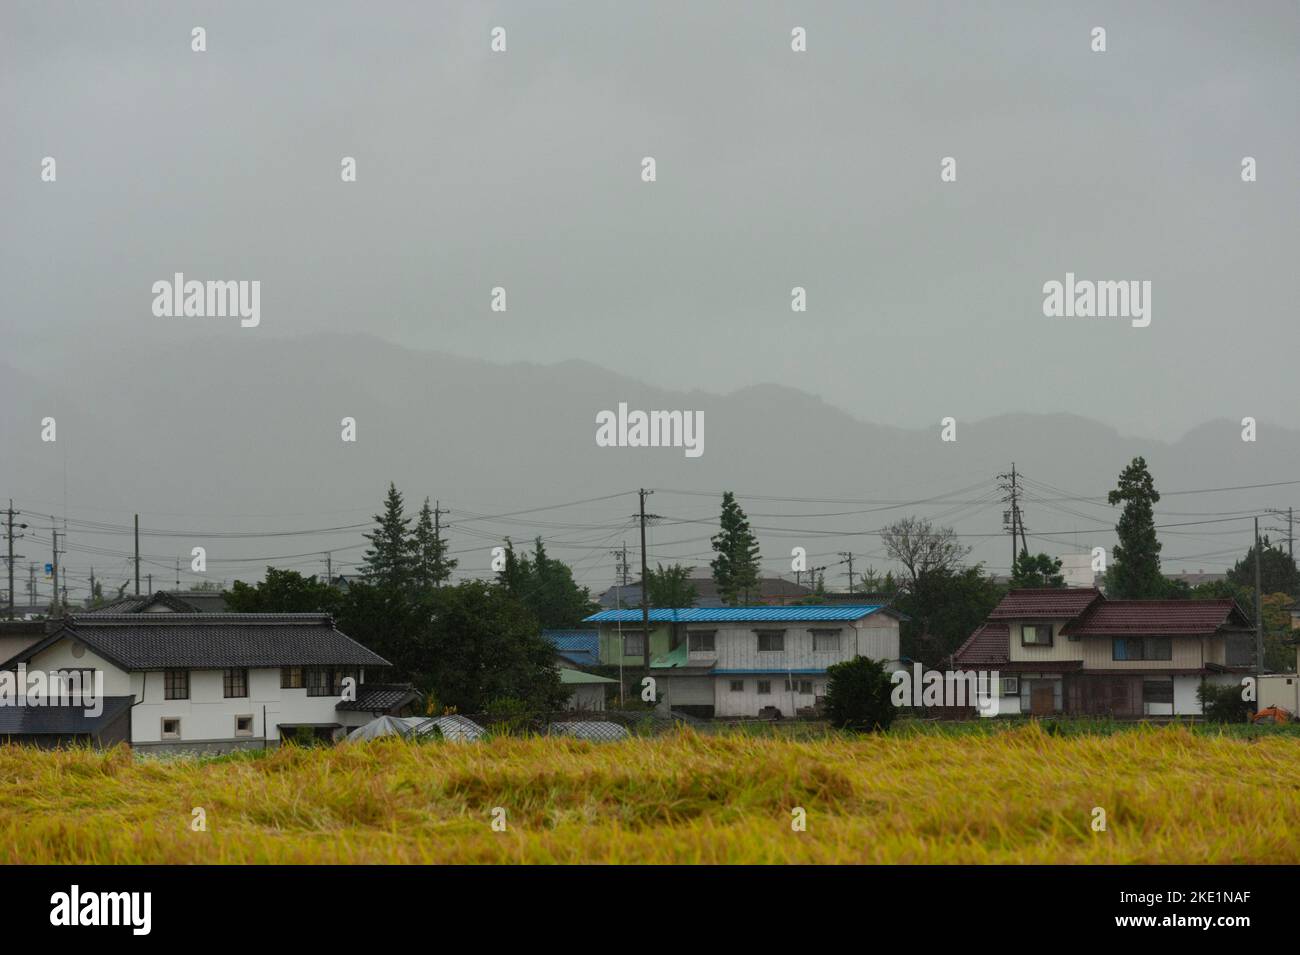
737	686
771	640
291	678
634	644
764	687
1142	648
800	686
826	641
339	676
318	681
1158	691
234	683
1010	686
171	727
243	726
703	641
1035	634
176	684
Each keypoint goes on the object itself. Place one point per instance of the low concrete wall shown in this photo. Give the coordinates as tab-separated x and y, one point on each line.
205	747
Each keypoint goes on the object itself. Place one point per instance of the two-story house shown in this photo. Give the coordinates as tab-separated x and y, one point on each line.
1071	650
754	661
200	682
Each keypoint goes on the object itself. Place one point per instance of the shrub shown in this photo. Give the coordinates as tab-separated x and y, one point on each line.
858	695
1222	703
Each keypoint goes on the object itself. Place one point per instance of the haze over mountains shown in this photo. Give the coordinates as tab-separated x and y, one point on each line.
236	433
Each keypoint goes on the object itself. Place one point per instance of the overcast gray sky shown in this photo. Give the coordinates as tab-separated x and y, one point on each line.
775	169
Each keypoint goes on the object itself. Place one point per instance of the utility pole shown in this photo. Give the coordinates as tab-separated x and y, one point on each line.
55	566
178	573
137	558
645	598
620	583
329	568
1259	620
9	532
31	584
137	590
437	538
1012	519
849	556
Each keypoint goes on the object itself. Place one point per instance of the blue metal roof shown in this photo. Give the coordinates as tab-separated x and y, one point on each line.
817	613
580	646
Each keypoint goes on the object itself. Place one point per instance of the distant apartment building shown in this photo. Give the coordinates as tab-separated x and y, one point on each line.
747	661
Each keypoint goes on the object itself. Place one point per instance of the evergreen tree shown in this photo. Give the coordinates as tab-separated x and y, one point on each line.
546	587
388	559
1277	570
1037	570
671	586
431	565
513	573
465	645
1134	572
283	591
735	569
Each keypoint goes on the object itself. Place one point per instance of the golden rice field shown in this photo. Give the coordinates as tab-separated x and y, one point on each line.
1019	796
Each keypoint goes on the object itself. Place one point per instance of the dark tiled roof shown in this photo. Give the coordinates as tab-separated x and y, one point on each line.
988	646
178	601
59	720
380	697
122	605
149	641
201	601
577	646
1119	618
1046	602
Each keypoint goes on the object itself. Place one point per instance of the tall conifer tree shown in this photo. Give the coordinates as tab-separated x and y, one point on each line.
1135	568
735	569
388	560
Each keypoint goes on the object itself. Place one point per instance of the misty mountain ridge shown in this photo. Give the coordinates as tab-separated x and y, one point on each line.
242	424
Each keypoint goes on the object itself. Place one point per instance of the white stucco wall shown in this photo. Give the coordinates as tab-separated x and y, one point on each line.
736	657
1280	689
748	702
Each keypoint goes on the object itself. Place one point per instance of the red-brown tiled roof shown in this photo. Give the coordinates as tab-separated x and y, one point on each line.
1045	602
988	646
1121	618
